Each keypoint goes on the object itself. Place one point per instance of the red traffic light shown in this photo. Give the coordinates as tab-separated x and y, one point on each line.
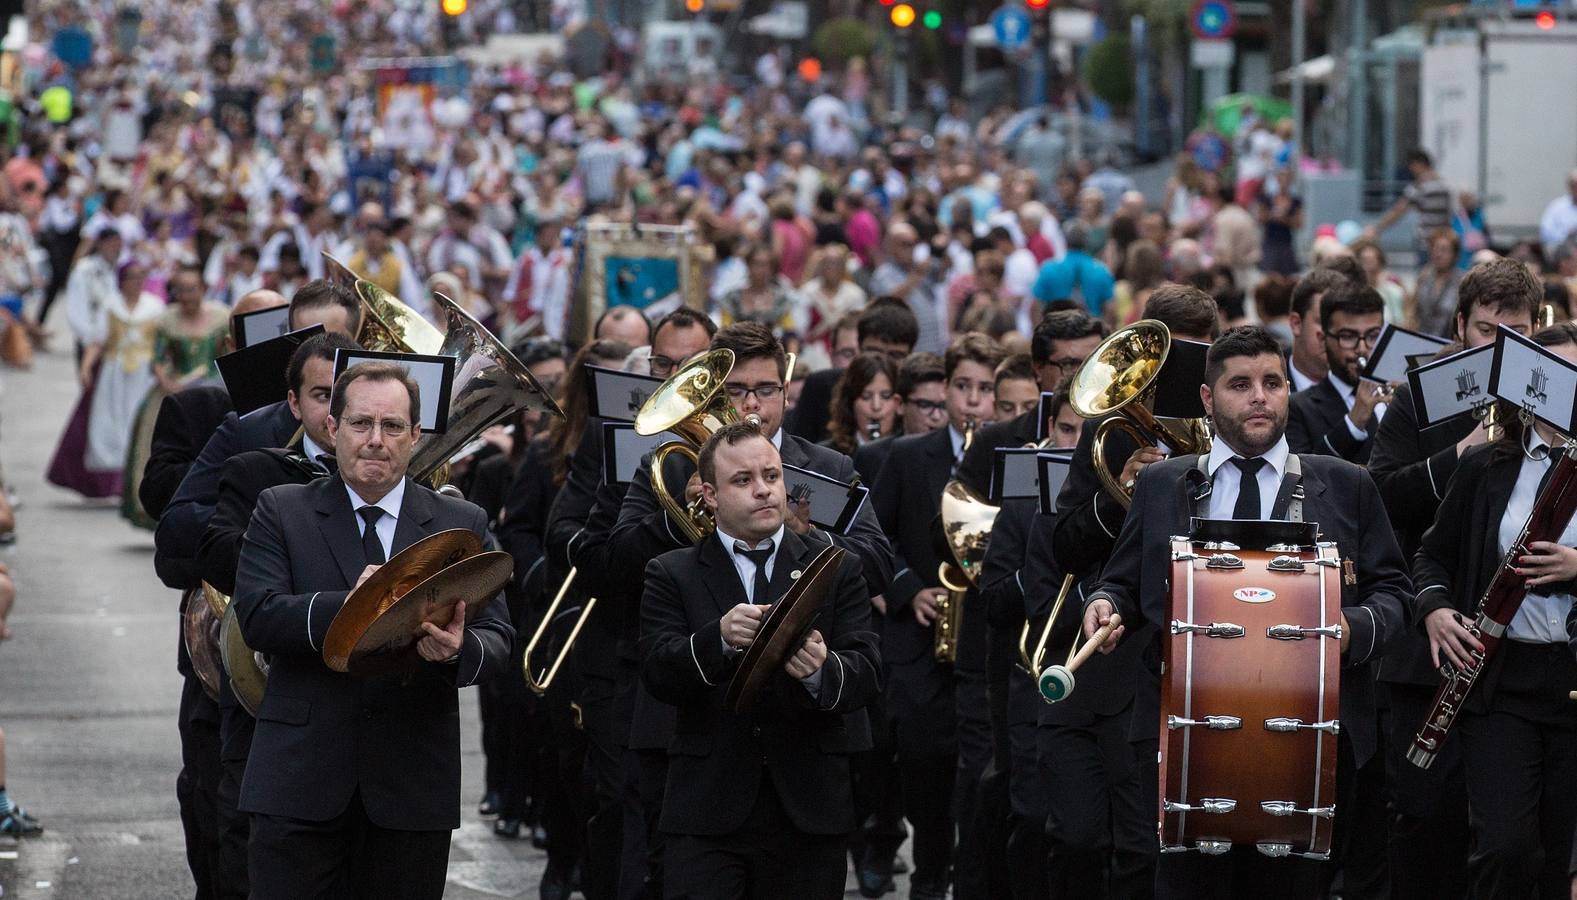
1545	20
1037	4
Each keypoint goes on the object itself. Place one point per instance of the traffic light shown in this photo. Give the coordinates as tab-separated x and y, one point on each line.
932	19
453	7
1545	20
1037	4
695	6
903	15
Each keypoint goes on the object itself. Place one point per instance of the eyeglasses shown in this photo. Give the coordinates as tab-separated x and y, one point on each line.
928	407
391	428
762	392
1349	339
663	366
1066	364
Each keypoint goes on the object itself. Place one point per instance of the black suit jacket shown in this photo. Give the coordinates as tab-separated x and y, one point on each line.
1412	468
804	741
814	409
868	458
186	421
975	470
1317	424
242	479
324	735
1343	500
1088	519
1461	551
182	525
908	496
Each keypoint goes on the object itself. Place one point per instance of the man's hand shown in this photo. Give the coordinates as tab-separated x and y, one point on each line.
1366	396
1144	456
1099	613
741	623
442	643
925	604
1450	638
808	659
365	574
879	602
1346	635
796	516
692	489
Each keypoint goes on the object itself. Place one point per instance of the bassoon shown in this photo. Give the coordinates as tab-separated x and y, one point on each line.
1552	510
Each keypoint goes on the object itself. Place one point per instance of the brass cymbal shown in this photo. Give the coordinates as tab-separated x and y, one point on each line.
216	601
389	641
409	568
247	678
783	629
201	635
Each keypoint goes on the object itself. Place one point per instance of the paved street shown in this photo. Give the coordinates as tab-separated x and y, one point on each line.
88	692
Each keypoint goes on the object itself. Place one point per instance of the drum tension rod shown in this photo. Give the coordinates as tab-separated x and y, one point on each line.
1216	805
1287	726
1290	808
1213	848
1214	723
1298	632
1214	629
1223	561
1277	850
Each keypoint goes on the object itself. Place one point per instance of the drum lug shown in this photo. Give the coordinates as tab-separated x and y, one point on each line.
1320	857
1286	564
1283	548
1288	726
1214	723
1214	629
1213	848
1183	556
1298	632
1223	561
1274	849
1290	808
1215	805
1221	545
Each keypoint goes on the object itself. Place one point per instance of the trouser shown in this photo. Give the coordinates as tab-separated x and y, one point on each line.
565	797
489	703
604	779
1360	837
1026	843
343	857
197	785
979	870
236	727
767	858
651	767
1521	771
1100	824
1429	833
878	797
927	766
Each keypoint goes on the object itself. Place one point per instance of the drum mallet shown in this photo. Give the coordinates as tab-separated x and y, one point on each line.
1056	682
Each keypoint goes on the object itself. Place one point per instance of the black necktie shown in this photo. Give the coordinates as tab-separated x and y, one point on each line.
327	463
371	547
1248	487
761	592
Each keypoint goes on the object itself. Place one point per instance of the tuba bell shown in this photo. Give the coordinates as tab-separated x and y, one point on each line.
1120	377
692	404
387	324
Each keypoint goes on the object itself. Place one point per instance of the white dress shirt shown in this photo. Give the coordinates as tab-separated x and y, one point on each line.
312	451
1541	619
1348	394
1300	381
1225	479
390	504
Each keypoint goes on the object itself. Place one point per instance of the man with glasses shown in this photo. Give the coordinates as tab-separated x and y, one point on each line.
356	780
1338	416
907	496
885	326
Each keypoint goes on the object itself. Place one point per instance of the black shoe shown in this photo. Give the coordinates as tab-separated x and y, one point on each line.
556	884
489	805
875	874
927	892
539	837
507	828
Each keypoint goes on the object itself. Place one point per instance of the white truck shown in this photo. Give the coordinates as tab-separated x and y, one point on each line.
1498	111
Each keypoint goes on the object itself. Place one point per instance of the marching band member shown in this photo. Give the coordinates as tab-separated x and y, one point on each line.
758	805
1518	727
1246	395
1339	415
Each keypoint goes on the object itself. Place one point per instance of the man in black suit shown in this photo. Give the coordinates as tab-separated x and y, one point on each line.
353	782
1246	395
758	804
1339	415
1306	361
920	695
1412	466
311	379
885	326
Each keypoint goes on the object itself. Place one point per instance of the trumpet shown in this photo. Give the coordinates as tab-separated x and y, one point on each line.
1120	377
539	683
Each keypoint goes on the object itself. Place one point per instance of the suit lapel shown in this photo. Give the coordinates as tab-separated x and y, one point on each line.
1316	507
939	449
1499	482
792	453
416	512
720	575
794	556
337	524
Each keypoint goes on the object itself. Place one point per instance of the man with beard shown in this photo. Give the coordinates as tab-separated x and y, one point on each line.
1246	395
1339	415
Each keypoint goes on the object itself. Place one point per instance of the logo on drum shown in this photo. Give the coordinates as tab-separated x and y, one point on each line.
1254	594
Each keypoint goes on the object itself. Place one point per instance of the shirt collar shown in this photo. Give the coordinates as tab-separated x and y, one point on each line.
1277	455
389	503
957	438
311	450
1534	443
729	540
777	439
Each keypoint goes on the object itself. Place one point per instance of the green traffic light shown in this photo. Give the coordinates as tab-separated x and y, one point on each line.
932	20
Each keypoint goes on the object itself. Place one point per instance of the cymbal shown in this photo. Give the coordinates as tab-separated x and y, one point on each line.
247	678
783	629
389	642
201	635
409	568
216	601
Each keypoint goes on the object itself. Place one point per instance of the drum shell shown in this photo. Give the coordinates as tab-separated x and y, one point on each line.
1253	678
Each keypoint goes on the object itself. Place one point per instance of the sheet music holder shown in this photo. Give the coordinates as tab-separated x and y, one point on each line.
1177	385
434	377
623	450
1388	361
1015	474
619	395
1453	386
255	376
834	505
1054	466
250	329
1048	400
1533	379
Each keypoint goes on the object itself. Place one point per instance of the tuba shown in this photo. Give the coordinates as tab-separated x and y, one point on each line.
1120	377
966	528
387	324
692	404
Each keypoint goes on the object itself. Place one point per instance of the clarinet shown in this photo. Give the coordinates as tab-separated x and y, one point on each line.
1551	512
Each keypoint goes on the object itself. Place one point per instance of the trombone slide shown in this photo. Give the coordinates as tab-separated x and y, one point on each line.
539	684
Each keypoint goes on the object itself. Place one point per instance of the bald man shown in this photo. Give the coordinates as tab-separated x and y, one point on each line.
624	323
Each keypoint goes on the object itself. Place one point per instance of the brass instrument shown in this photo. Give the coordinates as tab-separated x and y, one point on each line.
692	404
1120	377
966	527
387	324
1031	661
539	683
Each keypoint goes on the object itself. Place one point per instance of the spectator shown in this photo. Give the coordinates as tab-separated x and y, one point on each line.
1280	215
1429	197
1273	305
911	273
1559	221
1077	277
1371	258
1435	293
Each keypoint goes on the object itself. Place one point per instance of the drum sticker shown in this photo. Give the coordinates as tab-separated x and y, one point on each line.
1254	594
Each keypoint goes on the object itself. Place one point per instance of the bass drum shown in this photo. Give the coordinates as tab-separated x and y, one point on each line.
1249	700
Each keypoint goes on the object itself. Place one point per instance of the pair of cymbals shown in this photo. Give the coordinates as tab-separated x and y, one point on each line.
380	624
783	629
